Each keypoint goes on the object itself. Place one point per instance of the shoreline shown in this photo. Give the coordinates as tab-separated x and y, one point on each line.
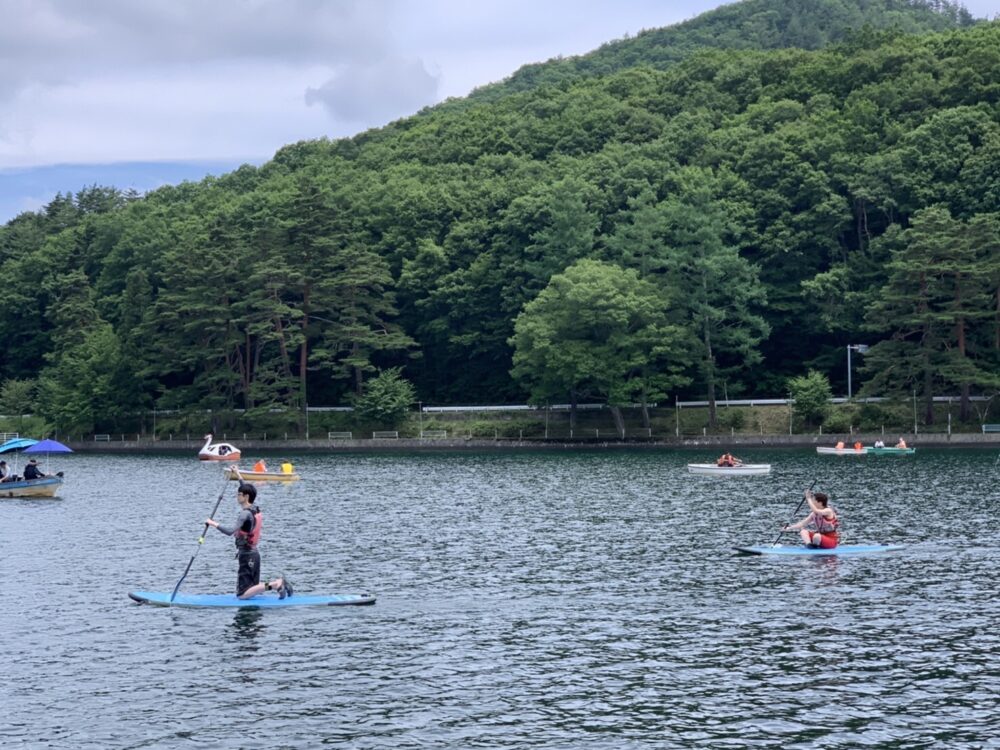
382	445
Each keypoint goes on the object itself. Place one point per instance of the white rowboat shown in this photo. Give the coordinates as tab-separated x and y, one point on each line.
744	470
842	451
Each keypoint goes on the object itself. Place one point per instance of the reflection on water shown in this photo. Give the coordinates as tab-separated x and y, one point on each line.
247	625
552	601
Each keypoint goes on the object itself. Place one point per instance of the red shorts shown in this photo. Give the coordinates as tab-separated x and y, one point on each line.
827	541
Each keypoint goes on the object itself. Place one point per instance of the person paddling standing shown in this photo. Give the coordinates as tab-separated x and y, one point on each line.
823	525
247	531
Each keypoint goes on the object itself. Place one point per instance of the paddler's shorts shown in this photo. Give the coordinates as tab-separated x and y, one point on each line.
828	541
249	572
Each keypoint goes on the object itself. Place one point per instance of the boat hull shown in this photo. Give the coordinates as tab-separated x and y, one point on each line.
260	476
45	487
231	456
746	470
842	451
893	451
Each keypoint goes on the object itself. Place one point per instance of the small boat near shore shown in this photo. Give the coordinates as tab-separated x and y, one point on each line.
742	470
842	451
238	474
44	487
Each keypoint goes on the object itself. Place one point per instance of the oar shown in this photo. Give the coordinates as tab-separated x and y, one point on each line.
790	520
201	539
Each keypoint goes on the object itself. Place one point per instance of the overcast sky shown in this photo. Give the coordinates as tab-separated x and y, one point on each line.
212	83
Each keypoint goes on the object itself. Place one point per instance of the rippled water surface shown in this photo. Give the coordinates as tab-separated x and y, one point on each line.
557	600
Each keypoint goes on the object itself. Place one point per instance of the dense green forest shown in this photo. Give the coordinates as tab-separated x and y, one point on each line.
704	207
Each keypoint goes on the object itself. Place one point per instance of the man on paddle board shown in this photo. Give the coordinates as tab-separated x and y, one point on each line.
247	530
823	525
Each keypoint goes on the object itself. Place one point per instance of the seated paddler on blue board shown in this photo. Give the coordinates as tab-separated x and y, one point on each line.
821	528
246	532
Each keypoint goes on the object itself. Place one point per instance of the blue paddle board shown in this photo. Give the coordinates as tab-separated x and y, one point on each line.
263	601
842	549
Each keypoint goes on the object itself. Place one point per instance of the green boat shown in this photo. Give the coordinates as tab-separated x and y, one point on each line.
892	451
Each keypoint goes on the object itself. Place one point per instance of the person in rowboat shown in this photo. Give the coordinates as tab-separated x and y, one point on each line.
727	459
260	466
901	443
821	527
247	530
31	470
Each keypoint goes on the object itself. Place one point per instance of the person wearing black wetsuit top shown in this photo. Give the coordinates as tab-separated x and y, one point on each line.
31	470
246	531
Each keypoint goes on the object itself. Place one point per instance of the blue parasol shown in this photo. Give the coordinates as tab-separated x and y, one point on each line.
48	446
17	444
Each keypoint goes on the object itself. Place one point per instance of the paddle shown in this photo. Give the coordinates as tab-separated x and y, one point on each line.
792	519
201	539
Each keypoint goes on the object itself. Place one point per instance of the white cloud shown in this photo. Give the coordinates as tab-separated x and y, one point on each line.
376	93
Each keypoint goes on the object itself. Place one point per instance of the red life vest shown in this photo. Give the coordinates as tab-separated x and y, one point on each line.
827	525
250	539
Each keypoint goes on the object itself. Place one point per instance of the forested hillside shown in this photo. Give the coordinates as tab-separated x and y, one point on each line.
727	221
752	24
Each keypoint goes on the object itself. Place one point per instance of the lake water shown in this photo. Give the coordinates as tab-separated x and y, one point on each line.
555	600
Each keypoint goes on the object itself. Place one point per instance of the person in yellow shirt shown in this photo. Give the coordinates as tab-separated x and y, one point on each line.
286	467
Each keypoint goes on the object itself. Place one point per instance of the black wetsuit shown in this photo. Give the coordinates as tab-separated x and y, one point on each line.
249	558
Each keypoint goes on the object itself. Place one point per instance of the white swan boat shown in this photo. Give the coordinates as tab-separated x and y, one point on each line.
743	470
218	451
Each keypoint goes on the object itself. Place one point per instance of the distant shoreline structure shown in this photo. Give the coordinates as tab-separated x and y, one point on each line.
443	445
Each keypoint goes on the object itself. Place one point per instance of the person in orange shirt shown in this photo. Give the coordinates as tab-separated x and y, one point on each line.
260	466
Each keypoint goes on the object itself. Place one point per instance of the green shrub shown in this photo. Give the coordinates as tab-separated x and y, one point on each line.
386	400
733	418
812	395
840	419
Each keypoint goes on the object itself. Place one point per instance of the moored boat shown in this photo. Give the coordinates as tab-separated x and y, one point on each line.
44	487
842	451
742	470
261	476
